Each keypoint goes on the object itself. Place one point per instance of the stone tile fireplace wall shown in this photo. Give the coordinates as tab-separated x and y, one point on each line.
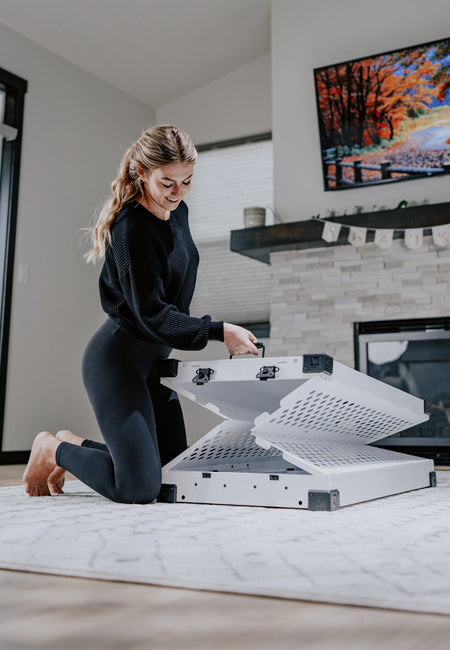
317	294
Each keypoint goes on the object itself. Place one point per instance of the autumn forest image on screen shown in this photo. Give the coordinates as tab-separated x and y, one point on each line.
385	118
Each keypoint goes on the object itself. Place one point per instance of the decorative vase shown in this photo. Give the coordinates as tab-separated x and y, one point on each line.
254	217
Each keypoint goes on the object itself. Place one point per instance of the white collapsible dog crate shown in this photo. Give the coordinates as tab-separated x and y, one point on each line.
295	434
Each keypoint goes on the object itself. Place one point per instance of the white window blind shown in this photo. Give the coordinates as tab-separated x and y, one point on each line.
230	287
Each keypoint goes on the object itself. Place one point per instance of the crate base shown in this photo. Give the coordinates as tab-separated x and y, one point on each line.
307	491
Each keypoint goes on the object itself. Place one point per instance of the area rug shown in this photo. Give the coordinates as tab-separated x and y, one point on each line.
389	553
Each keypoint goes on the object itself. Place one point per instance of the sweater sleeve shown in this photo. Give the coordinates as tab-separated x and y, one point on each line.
142	282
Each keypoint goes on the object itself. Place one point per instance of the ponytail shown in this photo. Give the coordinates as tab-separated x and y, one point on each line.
157	146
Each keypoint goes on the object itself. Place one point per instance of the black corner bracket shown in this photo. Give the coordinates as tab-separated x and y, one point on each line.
323	500
168	368
317	363
168	493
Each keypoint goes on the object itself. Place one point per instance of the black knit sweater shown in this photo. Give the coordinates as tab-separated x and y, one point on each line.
148	279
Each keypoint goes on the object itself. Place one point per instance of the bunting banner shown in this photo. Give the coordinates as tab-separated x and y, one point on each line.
441	235
331	231
413	238
383	238
357	236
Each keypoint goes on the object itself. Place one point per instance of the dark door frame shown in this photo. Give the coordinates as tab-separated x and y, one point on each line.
14	88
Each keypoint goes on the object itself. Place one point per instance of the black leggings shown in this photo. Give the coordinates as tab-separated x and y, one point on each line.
140	420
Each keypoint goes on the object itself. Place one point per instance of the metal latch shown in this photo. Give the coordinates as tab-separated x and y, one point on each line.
267	372
202	376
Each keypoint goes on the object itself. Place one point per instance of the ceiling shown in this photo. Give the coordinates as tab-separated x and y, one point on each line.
153	50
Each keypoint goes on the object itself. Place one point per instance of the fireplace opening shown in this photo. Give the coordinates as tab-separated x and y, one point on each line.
412	355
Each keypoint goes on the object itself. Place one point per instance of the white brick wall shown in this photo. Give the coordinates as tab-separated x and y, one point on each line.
231	287
318	294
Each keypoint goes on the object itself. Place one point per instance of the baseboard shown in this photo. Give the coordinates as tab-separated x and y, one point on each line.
14	457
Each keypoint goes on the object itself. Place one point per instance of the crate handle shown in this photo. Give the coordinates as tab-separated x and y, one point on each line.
258	345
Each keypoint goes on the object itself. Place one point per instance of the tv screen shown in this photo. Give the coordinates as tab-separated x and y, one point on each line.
385	118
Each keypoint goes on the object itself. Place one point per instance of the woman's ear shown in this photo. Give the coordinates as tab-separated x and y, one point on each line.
140	172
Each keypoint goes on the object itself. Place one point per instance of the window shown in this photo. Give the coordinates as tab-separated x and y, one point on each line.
12	93
229	177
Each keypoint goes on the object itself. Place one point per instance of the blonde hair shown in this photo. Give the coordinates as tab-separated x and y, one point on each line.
157	146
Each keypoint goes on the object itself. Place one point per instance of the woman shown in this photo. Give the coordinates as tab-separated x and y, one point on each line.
146	286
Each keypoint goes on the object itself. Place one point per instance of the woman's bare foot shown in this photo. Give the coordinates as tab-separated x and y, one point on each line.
41	464
69	436
55	480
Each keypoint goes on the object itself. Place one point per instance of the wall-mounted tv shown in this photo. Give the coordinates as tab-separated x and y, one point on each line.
385	118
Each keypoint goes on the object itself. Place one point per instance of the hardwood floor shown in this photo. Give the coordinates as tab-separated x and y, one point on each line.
54	612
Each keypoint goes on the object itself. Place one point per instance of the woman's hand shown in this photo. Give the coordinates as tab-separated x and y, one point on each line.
239	340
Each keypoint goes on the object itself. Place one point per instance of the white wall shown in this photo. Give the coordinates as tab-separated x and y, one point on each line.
75	132
310	34
235	105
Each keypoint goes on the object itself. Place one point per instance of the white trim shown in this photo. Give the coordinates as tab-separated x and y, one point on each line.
8	132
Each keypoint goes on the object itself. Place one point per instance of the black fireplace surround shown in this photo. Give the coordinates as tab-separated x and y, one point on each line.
412	355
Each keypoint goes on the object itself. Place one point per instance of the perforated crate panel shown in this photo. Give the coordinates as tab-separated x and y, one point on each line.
231	447
329	425
332	410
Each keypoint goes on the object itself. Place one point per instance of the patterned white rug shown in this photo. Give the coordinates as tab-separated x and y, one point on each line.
391	553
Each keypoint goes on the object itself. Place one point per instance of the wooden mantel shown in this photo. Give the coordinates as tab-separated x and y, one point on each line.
297	235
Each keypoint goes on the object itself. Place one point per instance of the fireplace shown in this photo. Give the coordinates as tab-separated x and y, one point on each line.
412	355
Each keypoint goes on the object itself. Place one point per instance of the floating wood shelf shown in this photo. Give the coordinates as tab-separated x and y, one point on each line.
259	242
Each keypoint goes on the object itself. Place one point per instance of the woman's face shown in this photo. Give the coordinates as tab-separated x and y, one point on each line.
166	186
